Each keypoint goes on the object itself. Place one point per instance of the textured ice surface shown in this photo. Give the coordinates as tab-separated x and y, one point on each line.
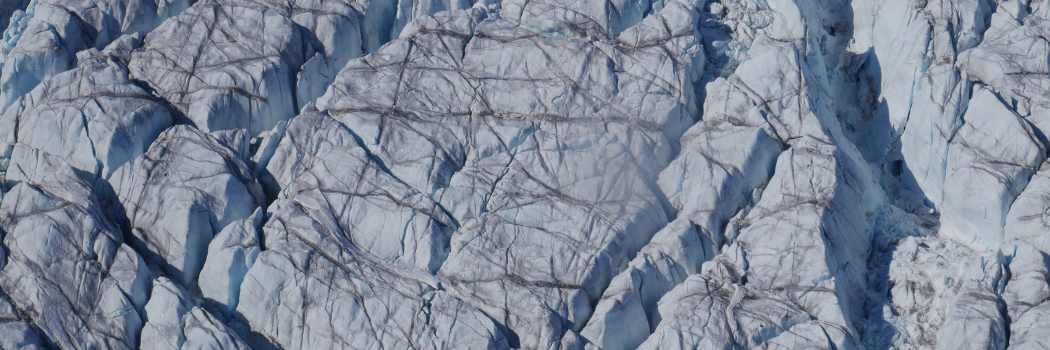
538	174
175	323
93	116
185	189
43	40
67	273
230	254
351	298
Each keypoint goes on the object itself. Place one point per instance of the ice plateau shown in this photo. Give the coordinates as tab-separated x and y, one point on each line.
533	174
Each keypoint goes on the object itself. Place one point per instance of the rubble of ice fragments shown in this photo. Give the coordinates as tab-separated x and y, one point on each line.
537	174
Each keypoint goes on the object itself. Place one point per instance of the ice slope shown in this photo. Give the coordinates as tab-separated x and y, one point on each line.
185	189
92	116
434	174
43	40
68	273
493	168
175	323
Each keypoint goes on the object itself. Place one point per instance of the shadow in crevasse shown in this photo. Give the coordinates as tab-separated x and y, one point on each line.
908	214
255	340
876	332
869	127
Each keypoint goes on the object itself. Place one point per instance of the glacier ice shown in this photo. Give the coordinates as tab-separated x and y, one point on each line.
313	288
185	189
320	165
933	301
15	332
230	254
62	251
218	70
176	323
540	174
997	150
621	316
43	40
92	116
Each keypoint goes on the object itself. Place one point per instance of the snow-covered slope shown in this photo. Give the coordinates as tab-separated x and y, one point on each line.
537	174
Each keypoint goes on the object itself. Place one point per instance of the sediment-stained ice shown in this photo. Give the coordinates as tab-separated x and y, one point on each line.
178	195
68	273
43	40
93	116
350	298
536	174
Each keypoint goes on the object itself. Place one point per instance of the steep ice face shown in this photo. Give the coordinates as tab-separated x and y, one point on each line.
227	74
714	178
621	319
230	254
1026	297
175	323
39	46
409	10
579	18
1025	223
940	103
93	116
821	281
15	332
185	189
1010	58
998	150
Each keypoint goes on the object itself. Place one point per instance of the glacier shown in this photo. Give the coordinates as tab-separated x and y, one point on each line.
525	174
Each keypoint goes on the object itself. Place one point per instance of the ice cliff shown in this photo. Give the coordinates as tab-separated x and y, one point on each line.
535	174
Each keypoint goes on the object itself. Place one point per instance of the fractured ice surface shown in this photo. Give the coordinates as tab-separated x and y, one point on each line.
185	189
349	297
989	162
67	273
538	174
230	254
225	64
43	40
175	323
93	116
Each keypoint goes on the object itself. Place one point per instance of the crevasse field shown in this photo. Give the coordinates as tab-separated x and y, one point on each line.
535	174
